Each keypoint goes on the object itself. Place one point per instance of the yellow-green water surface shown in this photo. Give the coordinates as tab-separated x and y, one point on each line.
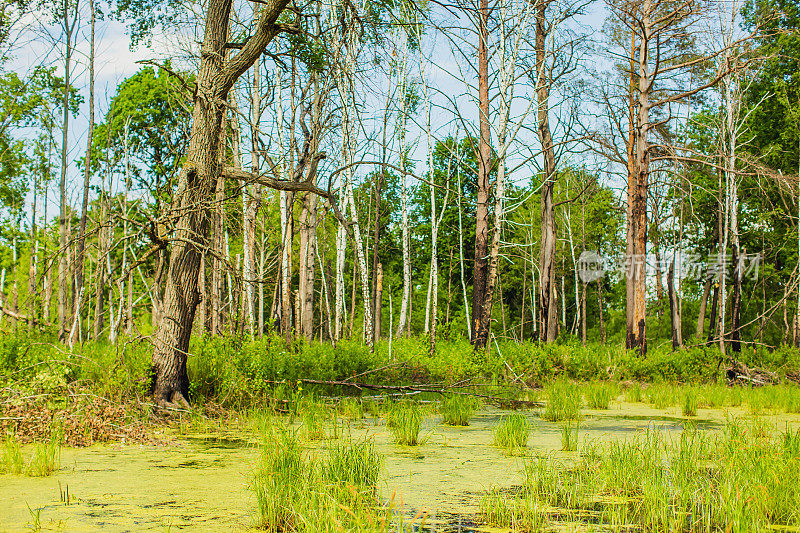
201	483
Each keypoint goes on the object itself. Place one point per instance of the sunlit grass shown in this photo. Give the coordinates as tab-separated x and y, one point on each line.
563	401
690	402
307	493
12	461
569	437
599	395
404	419
512	432
457	409
742	478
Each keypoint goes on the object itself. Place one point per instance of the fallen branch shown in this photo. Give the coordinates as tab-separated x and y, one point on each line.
444	389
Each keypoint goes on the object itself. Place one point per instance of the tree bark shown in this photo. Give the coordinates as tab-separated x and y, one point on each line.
481	267
548	326
63	242
195	191
81	253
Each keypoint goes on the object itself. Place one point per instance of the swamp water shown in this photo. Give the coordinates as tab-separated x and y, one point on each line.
201	483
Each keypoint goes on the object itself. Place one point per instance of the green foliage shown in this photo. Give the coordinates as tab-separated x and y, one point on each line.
512	432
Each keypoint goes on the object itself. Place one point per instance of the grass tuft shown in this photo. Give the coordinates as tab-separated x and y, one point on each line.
12	461
458	409
46	456
599	395
404	419
690	402
569	437
512	432
563	401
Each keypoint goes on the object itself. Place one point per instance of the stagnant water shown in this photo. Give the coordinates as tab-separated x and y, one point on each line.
201	483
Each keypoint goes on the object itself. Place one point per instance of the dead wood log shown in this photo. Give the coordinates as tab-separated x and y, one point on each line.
440	389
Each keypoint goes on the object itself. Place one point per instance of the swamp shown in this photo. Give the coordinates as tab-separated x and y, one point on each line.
399	266
574	453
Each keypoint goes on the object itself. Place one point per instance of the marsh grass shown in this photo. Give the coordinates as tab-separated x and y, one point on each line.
633	394
661	396
308	493
791	442
46	457
599	395
500	509
353	462
742	478
313	416
405	419
350	408
690	402
12	461
512	432
569	437
563	401
457	409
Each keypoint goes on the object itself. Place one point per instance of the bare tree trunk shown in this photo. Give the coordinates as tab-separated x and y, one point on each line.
81	252
14	285
712	323
547	251
583	314
379	301
701	317
675	318
639	211
63	267
129	307
287	232
34	249
201	283
481	267
308	255
461	246
630	229
47	274
601	305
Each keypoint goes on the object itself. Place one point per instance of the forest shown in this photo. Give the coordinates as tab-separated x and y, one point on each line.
316	238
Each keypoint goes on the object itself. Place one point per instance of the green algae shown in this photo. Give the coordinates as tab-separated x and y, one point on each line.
203	482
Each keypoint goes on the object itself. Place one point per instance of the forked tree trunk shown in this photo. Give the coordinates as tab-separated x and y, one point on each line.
195	191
